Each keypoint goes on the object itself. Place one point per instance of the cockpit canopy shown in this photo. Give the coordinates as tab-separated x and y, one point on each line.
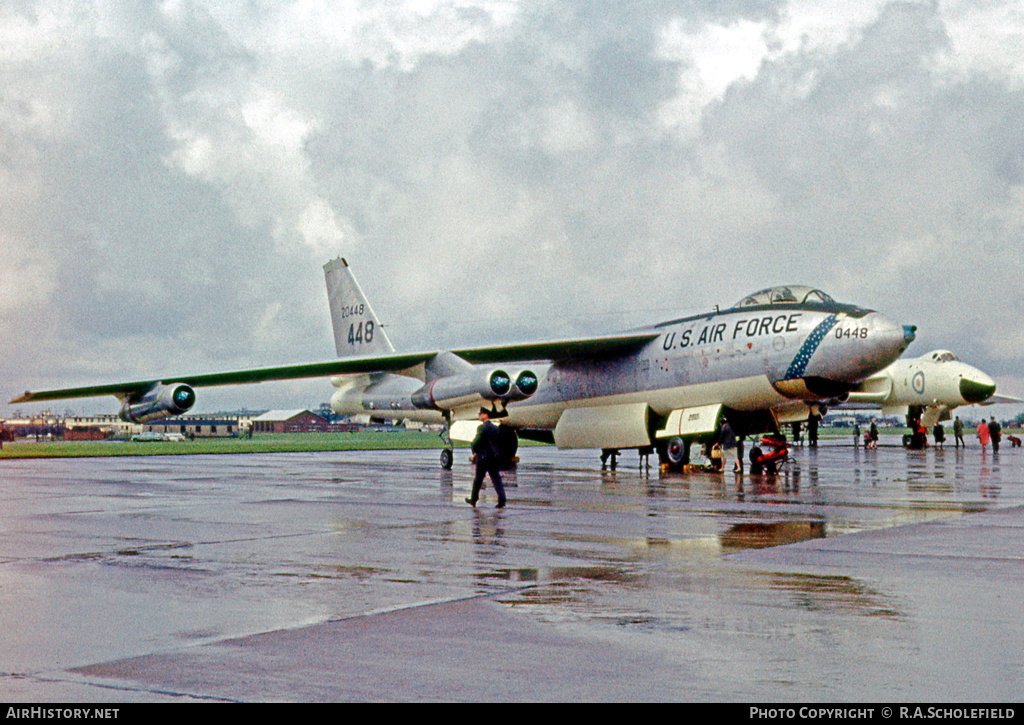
786	295
942	356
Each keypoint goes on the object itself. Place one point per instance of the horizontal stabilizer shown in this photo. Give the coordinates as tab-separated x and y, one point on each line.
1002	400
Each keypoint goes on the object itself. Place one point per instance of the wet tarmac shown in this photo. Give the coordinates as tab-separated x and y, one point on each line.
862	576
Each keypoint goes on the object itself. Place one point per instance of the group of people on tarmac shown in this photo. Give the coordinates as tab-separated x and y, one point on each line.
726	445
988	432
870	436
812	431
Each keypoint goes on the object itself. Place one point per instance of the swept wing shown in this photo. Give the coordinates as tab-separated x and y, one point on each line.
596	347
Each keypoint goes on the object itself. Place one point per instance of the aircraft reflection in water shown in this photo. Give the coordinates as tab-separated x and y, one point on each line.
762	535
926	388
774	357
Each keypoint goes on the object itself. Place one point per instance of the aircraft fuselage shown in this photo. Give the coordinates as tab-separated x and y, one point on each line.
754	358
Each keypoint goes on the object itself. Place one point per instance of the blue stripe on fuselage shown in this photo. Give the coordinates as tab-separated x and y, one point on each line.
803	357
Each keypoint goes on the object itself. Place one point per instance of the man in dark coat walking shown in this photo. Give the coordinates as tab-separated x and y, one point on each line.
995	431
487	457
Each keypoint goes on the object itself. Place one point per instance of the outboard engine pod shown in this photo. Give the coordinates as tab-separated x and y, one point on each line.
160	401
183	397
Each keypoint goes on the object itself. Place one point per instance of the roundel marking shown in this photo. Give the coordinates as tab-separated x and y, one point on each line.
917	382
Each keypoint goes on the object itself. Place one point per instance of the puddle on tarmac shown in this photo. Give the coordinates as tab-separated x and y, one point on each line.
838	594
711	600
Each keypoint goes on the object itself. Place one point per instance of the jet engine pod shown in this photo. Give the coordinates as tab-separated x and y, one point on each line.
456	391
160	401
525	385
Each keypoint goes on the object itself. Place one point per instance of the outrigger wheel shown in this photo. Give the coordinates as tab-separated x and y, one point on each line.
448	452
447	458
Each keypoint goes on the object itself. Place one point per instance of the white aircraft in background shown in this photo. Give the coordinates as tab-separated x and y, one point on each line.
926	388
774	357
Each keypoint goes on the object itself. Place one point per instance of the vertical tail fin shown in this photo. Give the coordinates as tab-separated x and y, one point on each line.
357	331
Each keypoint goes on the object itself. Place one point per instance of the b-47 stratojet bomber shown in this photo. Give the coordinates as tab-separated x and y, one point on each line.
774	357
925	388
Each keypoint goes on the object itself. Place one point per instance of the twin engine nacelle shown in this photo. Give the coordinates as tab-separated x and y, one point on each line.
457	391
160	401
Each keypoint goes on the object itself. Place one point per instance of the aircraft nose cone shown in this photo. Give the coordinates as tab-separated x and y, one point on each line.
889	340
858	347
975	391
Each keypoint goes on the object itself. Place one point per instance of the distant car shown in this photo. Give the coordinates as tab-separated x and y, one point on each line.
173	437
149	435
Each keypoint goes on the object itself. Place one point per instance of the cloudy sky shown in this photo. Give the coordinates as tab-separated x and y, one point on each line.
173	175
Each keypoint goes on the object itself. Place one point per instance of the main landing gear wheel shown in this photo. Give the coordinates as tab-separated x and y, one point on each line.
674	453
447	458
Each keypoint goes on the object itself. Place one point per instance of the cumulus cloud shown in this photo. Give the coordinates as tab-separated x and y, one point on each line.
175	174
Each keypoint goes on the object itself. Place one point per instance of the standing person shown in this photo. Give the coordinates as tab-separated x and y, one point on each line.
812	431
958	433
995	432
727	440
983	435
873	433
940	435
487	457
919	437
856	435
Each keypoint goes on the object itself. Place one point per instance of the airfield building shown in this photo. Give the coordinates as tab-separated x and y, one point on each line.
290	421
